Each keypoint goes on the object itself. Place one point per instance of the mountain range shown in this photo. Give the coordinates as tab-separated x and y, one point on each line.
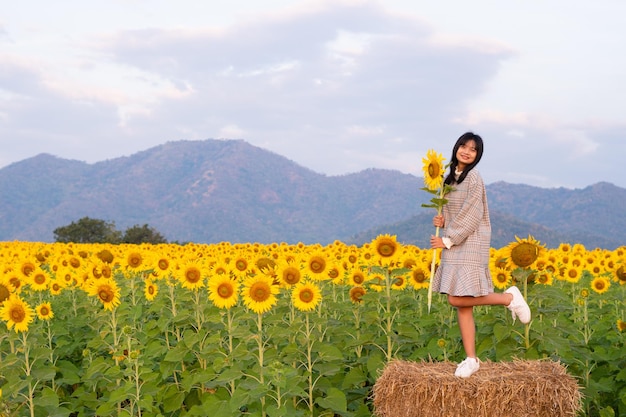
211	191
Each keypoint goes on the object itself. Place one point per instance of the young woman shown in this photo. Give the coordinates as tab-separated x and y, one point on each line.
463	273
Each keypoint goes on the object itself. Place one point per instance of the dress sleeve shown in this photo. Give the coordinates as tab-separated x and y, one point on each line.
468	218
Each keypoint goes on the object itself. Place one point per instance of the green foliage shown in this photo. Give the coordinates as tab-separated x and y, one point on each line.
142	234
180	356
88	230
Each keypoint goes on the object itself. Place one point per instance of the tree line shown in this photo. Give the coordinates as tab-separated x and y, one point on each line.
88	230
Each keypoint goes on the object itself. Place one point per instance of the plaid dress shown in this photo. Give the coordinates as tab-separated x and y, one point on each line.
464	268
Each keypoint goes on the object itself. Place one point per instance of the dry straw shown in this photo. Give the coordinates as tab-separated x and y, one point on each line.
521	388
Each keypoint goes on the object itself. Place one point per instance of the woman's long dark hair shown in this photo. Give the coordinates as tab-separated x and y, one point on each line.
465	137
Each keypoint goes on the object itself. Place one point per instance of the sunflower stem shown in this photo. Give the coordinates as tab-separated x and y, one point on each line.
27	371
261	347
434	260
309	357
52	359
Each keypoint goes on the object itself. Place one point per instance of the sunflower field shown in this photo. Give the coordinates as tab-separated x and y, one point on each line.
280	329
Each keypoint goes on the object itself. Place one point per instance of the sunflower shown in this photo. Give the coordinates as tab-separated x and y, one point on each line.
433	169
264	262
56	286
523	252
105	255
100	269
190	276
259	294
220	268
134	259
565	248
223	291
356	294
620	275
356	277
419	276
544	278
38	279
501	278
336	272
600	285
107	292
306	296
351	257
572	274
17	313
621	325
240	266
74	262
5	290
316	265
27	267
399	282
44	311
385	246
288	274
151	290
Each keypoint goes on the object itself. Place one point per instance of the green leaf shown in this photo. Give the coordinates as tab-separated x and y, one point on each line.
47	398
44	373
335	400
354	378
70	374
329	353
172	399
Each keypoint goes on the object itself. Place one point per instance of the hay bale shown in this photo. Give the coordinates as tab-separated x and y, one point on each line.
524	388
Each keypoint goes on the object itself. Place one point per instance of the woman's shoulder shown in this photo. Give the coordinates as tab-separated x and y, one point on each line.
474	176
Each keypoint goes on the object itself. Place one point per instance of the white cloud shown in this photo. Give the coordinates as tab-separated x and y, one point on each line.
335	86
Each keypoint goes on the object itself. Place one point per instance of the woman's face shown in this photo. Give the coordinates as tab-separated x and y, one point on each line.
466	154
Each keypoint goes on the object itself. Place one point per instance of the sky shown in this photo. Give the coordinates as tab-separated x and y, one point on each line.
335	86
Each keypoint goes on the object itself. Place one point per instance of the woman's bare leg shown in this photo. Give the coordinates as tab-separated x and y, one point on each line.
465	315
495	298
468	330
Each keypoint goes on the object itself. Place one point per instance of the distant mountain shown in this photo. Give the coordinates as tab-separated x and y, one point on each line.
228	190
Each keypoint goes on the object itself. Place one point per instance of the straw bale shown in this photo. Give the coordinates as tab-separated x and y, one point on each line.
521	388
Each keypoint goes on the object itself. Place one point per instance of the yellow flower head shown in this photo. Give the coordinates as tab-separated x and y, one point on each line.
223	291
306	296
544	278
190	276
501	277
288	273
385	246
151	290
134	260
572	274
6	290
433	170
600	285
17	313
356	294
44	311
38	279
419	276
107	292
620	274
523	252
259	293
316	265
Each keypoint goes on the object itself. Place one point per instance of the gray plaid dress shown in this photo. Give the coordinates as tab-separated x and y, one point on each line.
464	268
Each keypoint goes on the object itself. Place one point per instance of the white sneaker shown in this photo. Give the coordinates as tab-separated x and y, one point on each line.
519	307
466	368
